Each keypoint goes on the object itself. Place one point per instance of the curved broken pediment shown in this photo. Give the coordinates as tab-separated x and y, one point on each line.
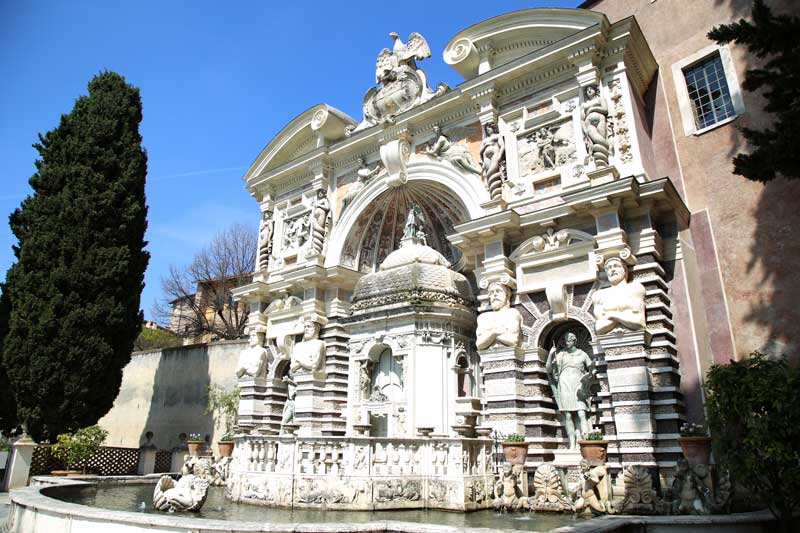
504	38
314	127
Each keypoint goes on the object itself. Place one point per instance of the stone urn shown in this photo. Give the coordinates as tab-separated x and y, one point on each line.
515	452
594	450
195	447
696	450
225	448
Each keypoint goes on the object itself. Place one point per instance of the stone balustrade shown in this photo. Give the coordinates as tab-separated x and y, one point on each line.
363	472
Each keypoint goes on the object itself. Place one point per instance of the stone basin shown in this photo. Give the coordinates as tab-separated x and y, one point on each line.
41	508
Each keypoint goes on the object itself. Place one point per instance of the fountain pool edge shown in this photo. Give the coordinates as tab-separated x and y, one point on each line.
32	511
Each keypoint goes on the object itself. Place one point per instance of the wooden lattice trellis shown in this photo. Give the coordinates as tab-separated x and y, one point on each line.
108	461
163	462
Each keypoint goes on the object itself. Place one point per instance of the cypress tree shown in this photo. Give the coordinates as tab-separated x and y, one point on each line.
76	284
8	406
773	40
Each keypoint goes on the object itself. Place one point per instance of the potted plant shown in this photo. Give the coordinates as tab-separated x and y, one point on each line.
195	444
515	449
224	404
695	444
594	447
77	448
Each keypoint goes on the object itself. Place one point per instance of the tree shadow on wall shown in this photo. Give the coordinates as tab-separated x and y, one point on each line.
775	249
179	397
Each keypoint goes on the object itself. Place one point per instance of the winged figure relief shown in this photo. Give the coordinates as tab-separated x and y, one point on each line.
402	84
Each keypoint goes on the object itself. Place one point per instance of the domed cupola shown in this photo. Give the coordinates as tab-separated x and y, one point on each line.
414	274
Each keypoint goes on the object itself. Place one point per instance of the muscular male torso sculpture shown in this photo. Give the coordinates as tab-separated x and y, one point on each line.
622	304
503	324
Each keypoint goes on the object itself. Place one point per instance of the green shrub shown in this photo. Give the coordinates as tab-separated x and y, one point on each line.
514	438
595	435
78	447
754	416
154	339
224	404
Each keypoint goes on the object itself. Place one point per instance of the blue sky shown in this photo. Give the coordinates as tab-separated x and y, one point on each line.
216	83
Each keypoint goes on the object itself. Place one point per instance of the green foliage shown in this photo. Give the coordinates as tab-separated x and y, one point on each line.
223	404
154	339
772	39
75	287
8	405
514	438
5	444
754	416
595	435
78	447
194	437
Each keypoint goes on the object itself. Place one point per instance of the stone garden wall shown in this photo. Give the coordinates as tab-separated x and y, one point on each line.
165	391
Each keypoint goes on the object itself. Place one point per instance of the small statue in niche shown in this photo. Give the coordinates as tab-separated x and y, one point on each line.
593	494
319	222
620	306
594	113
458	155
255	359
264	240
363	175
364	379
187	494
288	408
493	158
571	372
414	223
503	323
308	355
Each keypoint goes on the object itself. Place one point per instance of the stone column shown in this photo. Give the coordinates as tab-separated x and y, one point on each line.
19	466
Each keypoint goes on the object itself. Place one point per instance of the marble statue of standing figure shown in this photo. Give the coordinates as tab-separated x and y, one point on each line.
255	359
503	324
493	154
264	240
594	113
308	355
571	372
364	379
458	155
620	306
288	408
414	223
319	219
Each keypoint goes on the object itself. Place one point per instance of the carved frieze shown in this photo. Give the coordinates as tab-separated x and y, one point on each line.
547	148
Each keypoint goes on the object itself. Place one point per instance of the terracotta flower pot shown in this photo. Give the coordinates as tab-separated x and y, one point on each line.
195	446
696	450
515	452
594	450
225	448
65	473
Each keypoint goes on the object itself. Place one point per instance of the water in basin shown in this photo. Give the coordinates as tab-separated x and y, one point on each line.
139	498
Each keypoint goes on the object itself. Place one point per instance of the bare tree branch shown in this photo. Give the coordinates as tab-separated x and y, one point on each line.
197	300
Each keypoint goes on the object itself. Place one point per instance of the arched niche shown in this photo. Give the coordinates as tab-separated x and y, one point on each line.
555	334
371	227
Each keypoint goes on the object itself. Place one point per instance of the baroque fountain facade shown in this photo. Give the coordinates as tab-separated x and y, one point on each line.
488	259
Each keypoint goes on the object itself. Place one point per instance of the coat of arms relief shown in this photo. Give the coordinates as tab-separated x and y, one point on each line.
402	84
